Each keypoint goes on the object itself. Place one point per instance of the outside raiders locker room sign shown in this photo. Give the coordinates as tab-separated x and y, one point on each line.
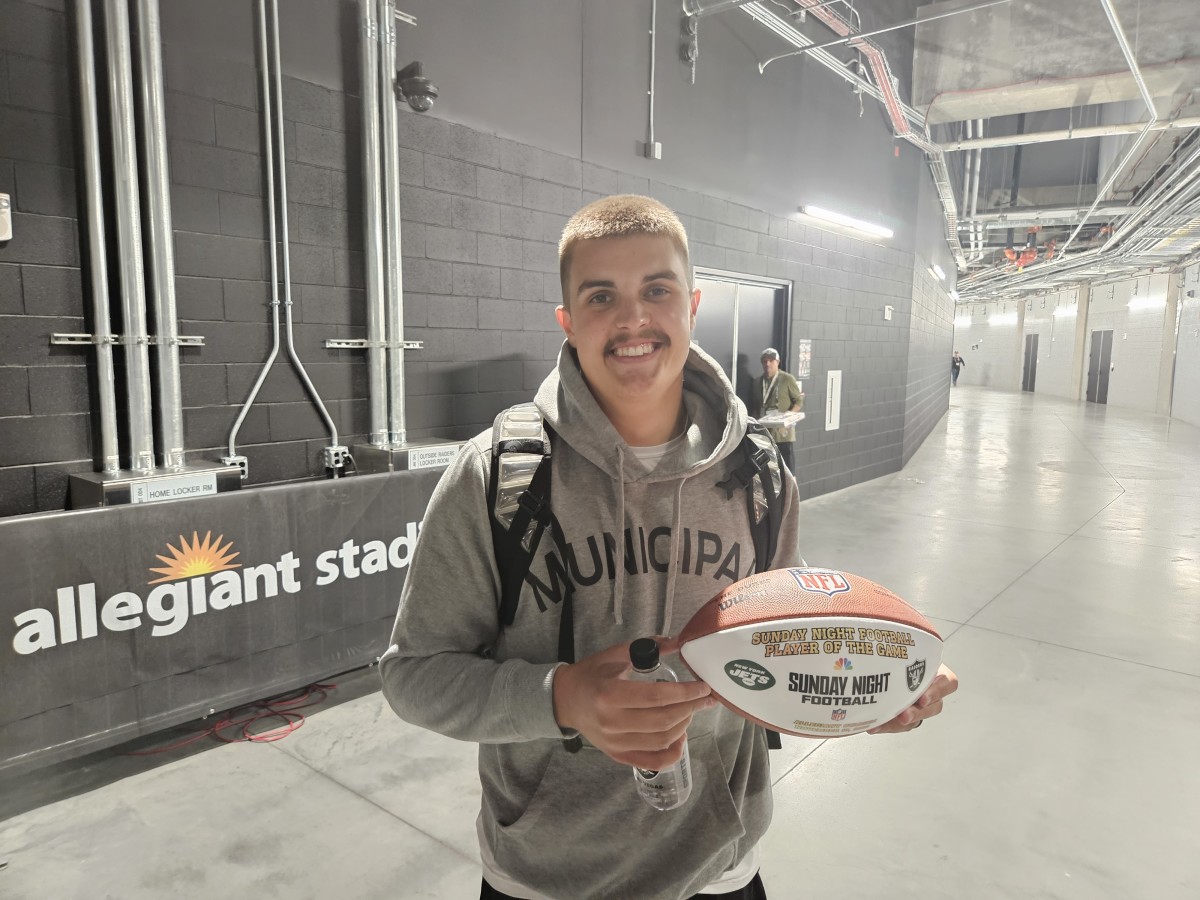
121	621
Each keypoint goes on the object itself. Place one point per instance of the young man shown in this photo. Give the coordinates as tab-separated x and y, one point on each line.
777	391
643	427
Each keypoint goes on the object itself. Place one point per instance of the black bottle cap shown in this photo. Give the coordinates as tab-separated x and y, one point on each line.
643	653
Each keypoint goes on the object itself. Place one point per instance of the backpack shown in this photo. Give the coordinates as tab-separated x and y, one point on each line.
519	501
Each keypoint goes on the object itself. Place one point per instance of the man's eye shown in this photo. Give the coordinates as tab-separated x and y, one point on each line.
658	290
599	298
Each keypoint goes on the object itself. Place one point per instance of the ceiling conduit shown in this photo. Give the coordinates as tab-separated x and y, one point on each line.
914	129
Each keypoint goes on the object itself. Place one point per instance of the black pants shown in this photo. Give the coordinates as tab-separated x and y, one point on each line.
753	891
785	452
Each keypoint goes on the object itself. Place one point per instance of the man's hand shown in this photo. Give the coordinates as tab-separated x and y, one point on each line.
637	723
928	704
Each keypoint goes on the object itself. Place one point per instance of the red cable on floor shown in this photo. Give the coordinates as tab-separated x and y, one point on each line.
284	707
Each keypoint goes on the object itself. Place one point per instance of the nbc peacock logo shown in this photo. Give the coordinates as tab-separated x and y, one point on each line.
843	664
200	557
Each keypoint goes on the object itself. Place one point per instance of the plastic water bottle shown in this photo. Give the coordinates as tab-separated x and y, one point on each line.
667	788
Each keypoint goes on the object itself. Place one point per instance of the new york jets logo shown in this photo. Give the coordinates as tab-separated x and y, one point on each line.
749	675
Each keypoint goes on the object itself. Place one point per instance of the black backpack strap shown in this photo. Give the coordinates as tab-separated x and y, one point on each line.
519	503
517	528
758	475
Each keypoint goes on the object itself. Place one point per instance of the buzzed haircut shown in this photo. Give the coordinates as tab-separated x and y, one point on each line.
621	215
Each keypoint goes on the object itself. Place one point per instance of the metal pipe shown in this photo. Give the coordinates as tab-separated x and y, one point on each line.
977	235
697	9
1024	216
391	224
159	235
269	148
129	236
653	19
1119	169
280	168
373	226
110	458
966	189
861	35
1066	134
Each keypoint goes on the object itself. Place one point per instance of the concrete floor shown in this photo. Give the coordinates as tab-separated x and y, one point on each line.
1056	544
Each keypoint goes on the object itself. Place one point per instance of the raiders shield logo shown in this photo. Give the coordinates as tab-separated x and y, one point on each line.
915	672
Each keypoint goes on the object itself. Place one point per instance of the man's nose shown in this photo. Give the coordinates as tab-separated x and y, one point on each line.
631	312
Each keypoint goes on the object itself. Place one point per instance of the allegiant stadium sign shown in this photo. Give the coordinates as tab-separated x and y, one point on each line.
198	577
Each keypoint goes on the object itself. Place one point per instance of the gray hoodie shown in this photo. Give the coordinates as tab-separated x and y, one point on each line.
644	551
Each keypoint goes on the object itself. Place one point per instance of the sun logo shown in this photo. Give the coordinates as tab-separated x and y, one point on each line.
197	558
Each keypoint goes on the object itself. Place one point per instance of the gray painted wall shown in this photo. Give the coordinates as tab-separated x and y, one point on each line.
543	104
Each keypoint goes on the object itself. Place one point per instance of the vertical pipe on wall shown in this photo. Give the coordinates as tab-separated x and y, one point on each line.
129	236
110	459
372	225
279	167
391	222
158	232
272	244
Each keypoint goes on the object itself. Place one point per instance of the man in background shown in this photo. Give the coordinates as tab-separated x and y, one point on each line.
777	391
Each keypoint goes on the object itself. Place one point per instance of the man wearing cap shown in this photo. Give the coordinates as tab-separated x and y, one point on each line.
777	391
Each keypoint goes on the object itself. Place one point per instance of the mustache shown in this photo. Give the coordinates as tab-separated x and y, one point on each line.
650	335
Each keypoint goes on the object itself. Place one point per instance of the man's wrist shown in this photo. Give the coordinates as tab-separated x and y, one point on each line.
559	691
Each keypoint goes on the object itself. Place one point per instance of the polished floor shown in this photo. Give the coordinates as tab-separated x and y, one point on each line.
1056	544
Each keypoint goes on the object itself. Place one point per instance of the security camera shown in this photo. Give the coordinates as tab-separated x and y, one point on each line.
414	87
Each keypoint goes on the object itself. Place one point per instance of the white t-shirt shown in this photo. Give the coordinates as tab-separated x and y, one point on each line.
650	457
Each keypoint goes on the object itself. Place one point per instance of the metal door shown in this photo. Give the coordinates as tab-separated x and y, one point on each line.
1029	374
1099	366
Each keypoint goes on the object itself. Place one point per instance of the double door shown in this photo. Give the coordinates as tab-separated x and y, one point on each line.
737	320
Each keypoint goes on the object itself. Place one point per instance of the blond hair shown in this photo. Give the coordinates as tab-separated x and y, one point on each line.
621	215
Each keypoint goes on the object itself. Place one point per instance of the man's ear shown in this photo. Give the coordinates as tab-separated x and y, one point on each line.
564	322
695	304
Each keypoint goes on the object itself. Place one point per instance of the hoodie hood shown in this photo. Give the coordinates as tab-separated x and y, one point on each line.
716	420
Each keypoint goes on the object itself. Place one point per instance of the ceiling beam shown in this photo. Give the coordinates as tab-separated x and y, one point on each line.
1066	134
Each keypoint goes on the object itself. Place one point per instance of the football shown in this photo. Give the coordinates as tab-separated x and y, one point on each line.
812	652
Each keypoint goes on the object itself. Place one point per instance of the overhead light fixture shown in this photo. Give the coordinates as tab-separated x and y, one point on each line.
937	270
818	212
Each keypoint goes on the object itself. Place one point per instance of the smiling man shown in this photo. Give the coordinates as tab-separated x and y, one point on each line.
645	433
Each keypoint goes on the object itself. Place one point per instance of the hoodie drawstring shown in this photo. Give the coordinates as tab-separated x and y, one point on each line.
673	566
619	580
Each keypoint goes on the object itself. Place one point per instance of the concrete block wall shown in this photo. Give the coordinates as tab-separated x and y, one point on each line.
930	334
481	219
45	429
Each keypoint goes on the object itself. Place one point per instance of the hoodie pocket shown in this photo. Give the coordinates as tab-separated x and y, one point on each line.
586	831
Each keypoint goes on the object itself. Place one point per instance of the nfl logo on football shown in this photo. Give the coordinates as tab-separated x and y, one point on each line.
838	715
